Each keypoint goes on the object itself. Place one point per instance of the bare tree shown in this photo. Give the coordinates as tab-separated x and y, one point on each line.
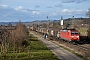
13	38
4	42
20	35
88	13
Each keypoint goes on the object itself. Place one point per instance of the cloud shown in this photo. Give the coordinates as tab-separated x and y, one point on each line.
67	1
58	5
16	13
35	12
72	11
54	14
5	6
79	1
5	9
23	13
49	7
67	10
67	13
72	1
19	8
37	6
79	11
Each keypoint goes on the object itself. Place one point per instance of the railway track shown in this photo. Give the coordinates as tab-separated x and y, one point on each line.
82	49
85	46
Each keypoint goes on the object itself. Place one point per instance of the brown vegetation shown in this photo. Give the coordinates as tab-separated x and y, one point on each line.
13	37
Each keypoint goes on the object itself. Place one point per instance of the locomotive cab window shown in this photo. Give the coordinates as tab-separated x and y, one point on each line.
75	33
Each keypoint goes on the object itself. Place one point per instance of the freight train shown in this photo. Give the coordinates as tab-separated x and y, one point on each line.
65	34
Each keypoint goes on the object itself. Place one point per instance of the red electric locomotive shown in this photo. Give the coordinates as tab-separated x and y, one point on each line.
70	34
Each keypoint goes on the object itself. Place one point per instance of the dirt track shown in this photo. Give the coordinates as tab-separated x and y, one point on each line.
61	53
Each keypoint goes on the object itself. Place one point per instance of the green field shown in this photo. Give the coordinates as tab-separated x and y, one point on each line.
83	31
36	51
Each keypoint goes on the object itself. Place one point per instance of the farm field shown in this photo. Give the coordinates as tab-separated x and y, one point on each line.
37	51
83	31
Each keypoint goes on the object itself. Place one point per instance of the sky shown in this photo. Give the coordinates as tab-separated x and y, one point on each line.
31	10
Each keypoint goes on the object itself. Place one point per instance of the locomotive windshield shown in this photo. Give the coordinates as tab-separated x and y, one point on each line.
75	33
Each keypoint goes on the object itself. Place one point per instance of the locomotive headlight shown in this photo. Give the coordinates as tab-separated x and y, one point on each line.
77	36
72	36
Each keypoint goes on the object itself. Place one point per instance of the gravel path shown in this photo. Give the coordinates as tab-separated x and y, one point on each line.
61	53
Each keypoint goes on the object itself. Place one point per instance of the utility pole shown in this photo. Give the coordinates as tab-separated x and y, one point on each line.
47	24
38	25
72	21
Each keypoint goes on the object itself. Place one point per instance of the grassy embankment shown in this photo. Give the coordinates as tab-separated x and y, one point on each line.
38	51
